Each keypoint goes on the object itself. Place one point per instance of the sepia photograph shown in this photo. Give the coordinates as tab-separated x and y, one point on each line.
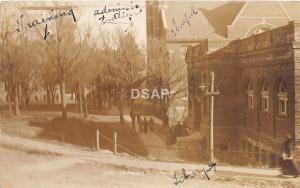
149	93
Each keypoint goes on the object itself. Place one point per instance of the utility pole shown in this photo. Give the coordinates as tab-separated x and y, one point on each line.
211	92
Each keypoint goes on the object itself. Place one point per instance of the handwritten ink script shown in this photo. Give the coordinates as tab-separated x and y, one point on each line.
177	26
44	20
180	178
119	14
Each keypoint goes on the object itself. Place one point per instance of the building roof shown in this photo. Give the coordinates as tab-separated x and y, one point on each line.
223	21
222	16
268	40
199	26
214	17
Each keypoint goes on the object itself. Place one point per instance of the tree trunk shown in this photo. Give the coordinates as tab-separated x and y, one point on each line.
133	121
165	120
109	98
100	99
80	101
48	96
27	99
164	109
63	100
22	96
121	108
76	100
132	114
95	96
52	90
116	96
16	101
9	99
85	102
165	116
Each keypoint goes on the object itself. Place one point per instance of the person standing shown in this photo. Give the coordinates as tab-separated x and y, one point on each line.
145	125
139	122
138	117
133	117
151	124
288	166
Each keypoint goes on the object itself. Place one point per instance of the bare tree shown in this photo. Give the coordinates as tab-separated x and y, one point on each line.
62	52
124	63
166	72
48	75
4	32
16	66
86	69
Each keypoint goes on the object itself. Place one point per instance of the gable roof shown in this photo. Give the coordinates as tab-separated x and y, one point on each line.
222	16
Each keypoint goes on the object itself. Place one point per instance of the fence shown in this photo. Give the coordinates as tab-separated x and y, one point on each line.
113	142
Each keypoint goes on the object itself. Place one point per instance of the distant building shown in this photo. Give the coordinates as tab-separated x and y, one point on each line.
38	95
258	80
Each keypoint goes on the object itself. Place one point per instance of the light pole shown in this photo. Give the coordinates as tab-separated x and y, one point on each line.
211	92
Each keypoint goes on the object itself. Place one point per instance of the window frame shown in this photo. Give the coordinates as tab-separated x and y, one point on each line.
282	98
250	99
265	97
250	95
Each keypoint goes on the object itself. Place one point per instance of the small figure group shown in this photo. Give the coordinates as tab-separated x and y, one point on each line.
180	129
146	126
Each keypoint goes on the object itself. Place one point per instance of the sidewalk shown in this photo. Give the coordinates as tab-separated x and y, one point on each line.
157	148
107	157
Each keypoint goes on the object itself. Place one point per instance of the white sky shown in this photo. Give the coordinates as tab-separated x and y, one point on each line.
88	18
85	11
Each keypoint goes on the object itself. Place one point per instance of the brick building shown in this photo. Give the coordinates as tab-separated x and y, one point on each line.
258	80
218	22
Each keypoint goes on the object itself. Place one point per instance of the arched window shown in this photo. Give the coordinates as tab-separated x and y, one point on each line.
250	94
265	96
282	98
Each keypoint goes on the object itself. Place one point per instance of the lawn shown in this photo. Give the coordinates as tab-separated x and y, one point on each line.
92	109
83	133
